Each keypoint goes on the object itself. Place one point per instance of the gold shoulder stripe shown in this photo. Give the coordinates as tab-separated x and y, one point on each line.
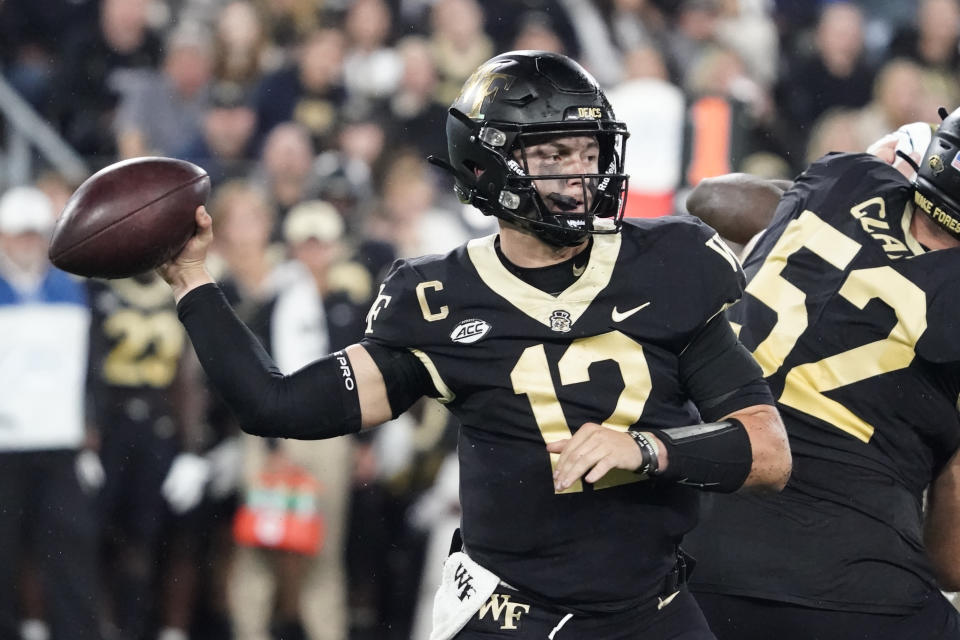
908	212
446	395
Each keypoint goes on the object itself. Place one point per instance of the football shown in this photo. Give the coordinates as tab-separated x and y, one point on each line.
129	217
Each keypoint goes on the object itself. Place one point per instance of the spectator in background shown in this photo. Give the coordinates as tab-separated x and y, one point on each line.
286	170
32	33
250	272
308	92
149	422
414	115
505	19
726	115
459	44
346	172
692	36
632	23
96	71
409	217
834	74
371	68
934	41
242	258
898	97
290	21
361	139
241	47
835	130
745	26
536	33
223	145
56	187
164	109
296	595
655	112
46	489
598	52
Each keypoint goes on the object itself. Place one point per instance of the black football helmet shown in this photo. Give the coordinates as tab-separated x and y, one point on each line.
938	175
524	98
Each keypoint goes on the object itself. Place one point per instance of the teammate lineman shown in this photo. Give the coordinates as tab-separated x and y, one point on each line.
579	357
851	310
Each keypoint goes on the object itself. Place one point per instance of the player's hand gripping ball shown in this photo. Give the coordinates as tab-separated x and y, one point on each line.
129	218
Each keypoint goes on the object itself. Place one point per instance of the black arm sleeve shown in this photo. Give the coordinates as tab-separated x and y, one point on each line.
318	401
405	376
720	374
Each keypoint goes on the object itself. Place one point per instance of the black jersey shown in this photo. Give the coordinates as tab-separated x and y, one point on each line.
854	325
136	346
520	368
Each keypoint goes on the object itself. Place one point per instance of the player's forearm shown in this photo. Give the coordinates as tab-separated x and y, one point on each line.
941	523
737	205
318	401
772	461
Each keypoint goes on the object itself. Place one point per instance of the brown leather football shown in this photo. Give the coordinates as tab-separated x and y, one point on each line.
129	217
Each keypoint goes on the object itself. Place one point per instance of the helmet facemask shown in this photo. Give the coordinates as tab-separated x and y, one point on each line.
564	204
561	207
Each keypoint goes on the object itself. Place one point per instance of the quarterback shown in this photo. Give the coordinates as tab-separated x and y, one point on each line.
599	386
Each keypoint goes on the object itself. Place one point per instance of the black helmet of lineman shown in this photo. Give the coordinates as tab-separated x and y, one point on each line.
938	175
523	98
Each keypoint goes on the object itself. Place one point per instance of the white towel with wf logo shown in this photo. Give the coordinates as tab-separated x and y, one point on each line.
464	588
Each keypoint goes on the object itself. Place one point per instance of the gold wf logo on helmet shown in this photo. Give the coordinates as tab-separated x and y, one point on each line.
482	86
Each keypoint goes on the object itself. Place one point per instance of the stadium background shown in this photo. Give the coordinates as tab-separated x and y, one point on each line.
314	119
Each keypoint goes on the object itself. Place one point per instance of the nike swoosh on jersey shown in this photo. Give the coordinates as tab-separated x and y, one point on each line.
578	271
662	602
619	316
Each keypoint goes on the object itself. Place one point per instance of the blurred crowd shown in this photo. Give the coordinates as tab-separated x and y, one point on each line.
141	512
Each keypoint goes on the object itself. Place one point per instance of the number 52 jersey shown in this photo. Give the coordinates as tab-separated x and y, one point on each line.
521	368
854	325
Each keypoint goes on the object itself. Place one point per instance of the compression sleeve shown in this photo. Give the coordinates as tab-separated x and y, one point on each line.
719	373
318	401
405	376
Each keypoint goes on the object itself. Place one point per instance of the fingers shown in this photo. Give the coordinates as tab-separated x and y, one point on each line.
885	147
558	446
203	217
204	222
591	453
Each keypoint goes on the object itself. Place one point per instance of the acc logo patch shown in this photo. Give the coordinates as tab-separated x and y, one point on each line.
469	331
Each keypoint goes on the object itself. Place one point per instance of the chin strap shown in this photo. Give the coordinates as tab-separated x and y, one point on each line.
908	160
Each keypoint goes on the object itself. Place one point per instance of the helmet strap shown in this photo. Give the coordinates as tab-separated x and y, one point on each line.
908	160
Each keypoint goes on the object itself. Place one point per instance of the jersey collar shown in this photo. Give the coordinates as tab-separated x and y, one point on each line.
538	304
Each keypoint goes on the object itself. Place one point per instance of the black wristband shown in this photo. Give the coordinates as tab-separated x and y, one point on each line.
648	451
716	456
